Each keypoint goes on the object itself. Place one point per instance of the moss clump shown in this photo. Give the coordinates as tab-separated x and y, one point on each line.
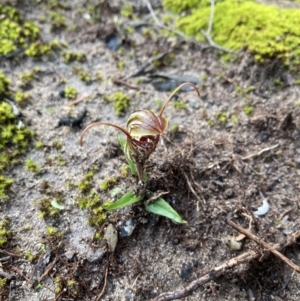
92	202
5	183
179	105
124	170
179	6
248	110
266	30
57	20
27	77
15	33
30	165
21	97
222	117
52	231
4	83
57	144
70	56
70	92
39	145
30	256
120	100
47	207
108	183
82	74
127	11
86	184
13	140
5	232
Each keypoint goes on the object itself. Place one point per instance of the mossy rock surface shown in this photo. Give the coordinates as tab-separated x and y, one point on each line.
266	30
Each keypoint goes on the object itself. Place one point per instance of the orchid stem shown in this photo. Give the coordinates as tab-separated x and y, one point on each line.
174	92
103	123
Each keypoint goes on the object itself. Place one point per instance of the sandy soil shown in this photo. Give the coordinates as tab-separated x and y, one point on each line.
219	164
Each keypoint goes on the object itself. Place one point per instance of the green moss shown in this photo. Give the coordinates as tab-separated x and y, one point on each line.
222	117
4	83
108	183
39	145
86	183
124	170
30	256
92	202
121	65
266	30
175	128
46	208
5	232
13	138
179	105
179	6
30	165
248	110
57	144
70	56
120	100
38	49
52	231
234	119
27	77
2	283
15	33
70	92
57	20
21	96
60	161
99	75
127	11
82	74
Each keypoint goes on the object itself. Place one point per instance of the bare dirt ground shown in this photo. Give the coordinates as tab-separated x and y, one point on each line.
235	146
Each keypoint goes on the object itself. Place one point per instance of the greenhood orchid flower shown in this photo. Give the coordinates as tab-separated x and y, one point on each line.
144	129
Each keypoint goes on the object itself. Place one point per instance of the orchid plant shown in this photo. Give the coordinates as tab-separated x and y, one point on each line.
143	132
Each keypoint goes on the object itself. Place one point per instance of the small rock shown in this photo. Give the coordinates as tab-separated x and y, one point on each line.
186	270
127	228
111	236
194	103
264	136
94	255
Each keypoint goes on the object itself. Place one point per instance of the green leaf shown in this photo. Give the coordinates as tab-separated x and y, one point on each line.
130	163
161	207
127	199
56	205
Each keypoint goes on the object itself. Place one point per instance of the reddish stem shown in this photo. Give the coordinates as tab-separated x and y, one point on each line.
174	92
103	123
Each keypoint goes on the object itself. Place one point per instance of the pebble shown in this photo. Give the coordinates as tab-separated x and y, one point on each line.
127	228
194	103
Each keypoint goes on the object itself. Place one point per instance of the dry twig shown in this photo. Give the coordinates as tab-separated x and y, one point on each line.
260	152
161	25
265	245
218	271
104	285
121	82
146	64
208	32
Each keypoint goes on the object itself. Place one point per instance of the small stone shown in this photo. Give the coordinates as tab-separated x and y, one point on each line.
194	103
111	236
94	255
264	136
127	228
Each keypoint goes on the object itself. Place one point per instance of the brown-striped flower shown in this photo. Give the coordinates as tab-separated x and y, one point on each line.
143	131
